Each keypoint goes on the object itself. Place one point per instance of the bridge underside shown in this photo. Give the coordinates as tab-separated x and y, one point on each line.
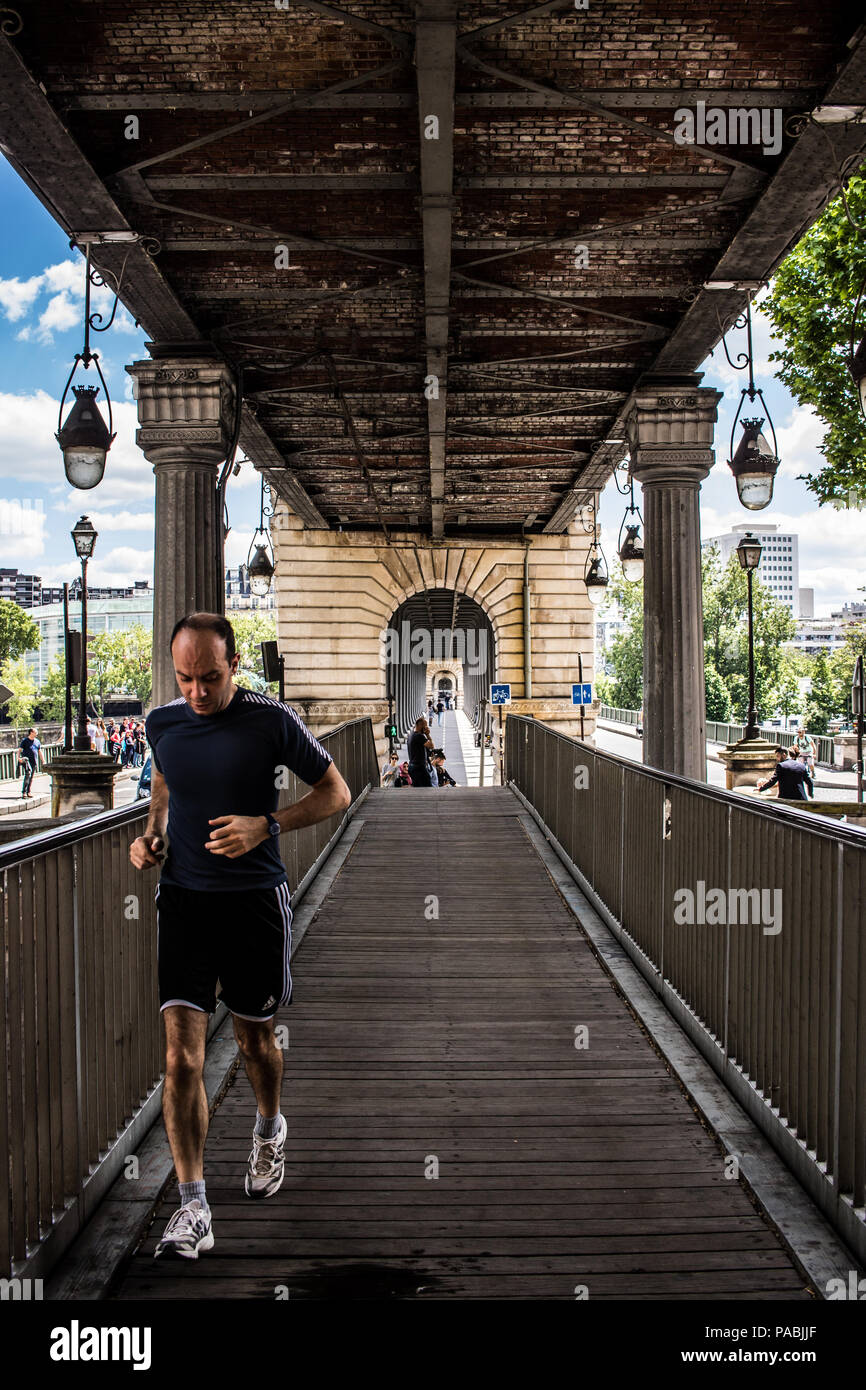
442	247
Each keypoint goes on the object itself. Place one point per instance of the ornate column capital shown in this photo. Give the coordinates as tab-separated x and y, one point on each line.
670	433
186	409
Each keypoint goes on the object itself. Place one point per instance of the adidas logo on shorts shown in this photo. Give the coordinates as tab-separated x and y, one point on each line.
269	1002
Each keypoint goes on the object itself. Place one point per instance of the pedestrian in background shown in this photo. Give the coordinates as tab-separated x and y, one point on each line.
419	762
444	778
791	777
29	759
391	770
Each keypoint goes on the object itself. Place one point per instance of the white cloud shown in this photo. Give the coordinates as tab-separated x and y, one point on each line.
59	314
16	296
116	569
22	527
65	284
29	453
106	520
238	545
65	276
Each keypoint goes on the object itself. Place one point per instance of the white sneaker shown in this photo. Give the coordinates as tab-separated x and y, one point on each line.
188	1233
266	1165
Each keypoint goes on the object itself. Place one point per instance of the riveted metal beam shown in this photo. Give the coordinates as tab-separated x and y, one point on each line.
435	61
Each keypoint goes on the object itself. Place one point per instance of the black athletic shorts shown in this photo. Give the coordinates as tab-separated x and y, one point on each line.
243	939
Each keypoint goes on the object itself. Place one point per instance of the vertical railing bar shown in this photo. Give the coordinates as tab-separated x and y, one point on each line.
837	1031
79	1022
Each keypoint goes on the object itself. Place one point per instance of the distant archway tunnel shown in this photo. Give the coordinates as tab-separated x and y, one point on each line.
437	625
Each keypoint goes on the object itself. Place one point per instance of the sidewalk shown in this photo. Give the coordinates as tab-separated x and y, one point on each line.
824	776
13	803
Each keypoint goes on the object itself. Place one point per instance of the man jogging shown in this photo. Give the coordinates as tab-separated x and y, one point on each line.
219	754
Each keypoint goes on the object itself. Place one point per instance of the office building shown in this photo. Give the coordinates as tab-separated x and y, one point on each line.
779	570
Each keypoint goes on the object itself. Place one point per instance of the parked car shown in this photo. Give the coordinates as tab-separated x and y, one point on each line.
143	781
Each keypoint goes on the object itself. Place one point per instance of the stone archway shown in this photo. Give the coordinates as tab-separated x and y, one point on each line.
446	675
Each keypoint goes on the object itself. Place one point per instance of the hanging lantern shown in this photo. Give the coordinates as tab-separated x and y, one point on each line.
260	560
596	577
261	571
84	439
631	554
754	467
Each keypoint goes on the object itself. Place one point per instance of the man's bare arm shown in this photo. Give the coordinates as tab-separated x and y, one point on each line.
329	795
148	849
233	836
157	818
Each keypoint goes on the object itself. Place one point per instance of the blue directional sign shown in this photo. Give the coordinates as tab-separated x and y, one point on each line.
500	694
582	694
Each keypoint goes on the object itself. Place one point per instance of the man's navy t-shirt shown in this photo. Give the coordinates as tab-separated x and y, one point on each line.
227	764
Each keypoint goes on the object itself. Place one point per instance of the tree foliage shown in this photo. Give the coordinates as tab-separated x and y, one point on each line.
119	663
726	646
823	696
624	684
811	306
18	632
52	693
16	674
251	629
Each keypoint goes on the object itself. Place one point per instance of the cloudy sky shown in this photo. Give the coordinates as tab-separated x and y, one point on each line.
41	313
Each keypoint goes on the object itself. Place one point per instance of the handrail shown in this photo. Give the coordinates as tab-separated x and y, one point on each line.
80	1031
747	919
826	825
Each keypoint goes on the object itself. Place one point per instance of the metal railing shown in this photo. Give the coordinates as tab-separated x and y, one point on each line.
777	1006
731	733
80	1031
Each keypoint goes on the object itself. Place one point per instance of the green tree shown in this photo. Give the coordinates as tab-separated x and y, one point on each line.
842	663
16	674
823	698
811	306
251	629
726	638
625	683
52	693
18	632
119	663
788	689
717	695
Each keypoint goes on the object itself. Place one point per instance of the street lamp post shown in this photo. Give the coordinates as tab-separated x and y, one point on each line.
751	757
749	556
84	537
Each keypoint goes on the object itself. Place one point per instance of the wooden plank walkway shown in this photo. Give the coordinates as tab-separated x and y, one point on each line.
414	1039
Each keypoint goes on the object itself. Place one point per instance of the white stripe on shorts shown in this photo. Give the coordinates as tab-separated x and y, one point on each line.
284	903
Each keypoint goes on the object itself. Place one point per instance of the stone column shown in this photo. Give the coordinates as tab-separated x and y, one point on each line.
670	430
186	406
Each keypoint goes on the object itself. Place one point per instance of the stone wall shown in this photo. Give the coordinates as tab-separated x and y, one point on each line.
337	592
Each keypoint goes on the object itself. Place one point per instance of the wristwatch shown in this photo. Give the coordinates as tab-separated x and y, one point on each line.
273	826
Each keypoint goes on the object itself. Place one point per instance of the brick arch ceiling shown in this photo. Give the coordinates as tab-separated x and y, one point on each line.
441	242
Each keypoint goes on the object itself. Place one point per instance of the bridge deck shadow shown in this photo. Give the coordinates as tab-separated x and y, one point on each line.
447	1138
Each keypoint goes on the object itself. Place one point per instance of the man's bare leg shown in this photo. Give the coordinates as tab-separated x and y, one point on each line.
184	1099
264	1063
263	1060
